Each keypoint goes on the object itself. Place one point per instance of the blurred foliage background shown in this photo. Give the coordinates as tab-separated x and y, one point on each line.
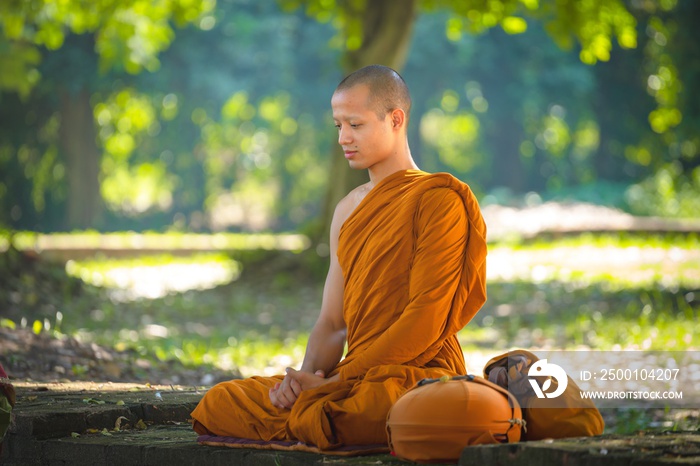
204	115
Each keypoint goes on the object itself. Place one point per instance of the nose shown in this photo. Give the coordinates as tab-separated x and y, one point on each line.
344	136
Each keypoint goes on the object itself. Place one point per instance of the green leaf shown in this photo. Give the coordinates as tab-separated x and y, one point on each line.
93	401
514	25
7	323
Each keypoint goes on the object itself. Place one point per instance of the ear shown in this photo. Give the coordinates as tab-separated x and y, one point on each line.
398	118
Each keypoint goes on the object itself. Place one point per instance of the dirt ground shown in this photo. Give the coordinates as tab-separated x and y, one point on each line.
43	358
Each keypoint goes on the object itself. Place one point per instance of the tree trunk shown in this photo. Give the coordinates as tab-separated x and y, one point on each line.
387	26
79	149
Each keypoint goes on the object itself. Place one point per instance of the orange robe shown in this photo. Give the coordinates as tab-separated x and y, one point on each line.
413	261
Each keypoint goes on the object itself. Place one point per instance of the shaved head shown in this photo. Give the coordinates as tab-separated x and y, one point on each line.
387	89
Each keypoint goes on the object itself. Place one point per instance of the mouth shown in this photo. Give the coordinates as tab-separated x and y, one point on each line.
349	153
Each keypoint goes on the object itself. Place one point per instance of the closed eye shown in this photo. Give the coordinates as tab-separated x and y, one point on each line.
353	125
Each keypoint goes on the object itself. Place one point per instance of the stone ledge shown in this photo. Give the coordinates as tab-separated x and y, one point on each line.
644	449
158	445
175	445
47	411
46	416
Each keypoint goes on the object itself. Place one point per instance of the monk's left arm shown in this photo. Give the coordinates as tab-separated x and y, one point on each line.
439	260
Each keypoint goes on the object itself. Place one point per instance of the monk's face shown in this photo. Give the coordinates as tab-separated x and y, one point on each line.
366	138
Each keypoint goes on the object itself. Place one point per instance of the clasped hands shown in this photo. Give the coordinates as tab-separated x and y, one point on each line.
285	394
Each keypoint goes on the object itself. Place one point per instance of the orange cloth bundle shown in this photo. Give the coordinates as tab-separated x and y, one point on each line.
413	261
434	421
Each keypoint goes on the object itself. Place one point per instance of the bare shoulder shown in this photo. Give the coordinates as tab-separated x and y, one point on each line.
349	203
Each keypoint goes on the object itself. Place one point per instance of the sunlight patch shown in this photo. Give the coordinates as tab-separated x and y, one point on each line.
131	281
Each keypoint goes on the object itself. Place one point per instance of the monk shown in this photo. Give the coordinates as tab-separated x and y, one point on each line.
407	272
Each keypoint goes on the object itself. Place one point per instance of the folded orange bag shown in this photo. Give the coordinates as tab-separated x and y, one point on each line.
437	418
573	415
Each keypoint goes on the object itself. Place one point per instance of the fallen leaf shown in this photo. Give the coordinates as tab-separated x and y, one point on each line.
141	425
31	398
105	432
118	422
120	403
92	431
93	400
74	434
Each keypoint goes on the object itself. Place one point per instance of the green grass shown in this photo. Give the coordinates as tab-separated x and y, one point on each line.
555	314
245	326
28	240
688	241
615	262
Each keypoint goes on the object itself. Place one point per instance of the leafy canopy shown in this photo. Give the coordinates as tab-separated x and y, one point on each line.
129	34
591	23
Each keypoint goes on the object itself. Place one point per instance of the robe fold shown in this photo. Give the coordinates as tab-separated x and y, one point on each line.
413	258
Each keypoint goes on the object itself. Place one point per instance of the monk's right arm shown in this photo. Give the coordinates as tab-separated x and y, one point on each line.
327	339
